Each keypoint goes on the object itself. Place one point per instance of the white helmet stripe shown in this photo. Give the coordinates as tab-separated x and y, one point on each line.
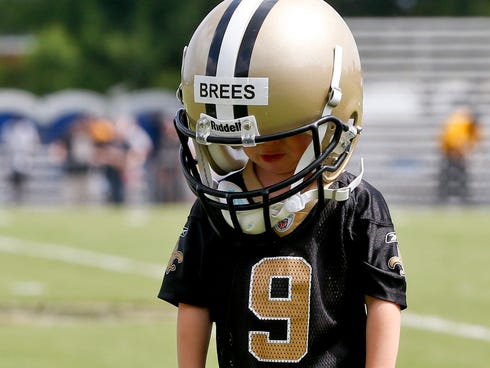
230	46
248	42
237	28
215	46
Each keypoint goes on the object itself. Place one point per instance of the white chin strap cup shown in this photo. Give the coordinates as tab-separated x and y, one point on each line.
252	221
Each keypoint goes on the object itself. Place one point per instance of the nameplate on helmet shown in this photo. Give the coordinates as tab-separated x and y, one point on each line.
231	90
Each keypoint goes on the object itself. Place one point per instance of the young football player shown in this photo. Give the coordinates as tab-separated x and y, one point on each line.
294	259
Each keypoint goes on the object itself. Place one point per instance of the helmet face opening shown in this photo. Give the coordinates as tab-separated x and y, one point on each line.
256	71
260	203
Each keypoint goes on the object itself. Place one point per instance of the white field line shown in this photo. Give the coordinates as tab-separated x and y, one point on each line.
439	325
153	270
81	257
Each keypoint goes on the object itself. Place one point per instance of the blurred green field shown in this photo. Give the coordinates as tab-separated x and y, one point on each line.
78	287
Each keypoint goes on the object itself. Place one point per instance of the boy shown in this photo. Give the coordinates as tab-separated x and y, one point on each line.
287	251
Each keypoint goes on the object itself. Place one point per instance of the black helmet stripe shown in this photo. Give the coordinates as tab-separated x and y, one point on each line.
250	15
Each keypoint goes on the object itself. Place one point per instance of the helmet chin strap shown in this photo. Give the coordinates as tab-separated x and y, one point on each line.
204	167
252	221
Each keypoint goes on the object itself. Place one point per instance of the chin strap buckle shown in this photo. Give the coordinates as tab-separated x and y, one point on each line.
343	194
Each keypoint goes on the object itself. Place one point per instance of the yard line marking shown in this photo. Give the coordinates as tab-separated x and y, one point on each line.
439	325
153	270
80	256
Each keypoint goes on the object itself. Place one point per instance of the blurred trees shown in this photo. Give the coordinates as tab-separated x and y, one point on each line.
412	7
98	44
103	44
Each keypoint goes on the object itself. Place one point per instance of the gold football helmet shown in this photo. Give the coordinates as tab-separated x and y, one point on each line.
261	70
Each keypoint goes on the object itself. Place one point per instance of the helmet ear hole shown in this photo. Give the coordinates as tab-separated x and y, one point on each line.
340	156
354	120
329	133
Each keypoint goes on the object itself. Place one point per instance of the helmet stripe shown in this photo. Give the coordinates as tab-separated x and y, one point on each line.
215	47
218	38
241	19
242	66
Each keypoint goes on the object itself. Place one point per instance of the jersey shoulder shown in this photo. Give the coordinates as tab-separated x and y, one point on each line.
367	200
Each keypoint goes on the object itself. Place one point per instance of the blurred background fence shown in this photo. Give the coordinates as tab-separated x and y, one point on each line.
416	70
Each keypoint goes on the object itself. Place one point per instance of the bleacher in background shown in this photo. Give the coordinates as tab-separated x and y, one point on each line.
416	71
53	114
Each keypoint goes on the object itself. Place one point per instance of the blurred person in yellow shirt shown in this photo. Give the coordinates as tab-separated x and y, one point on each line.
461	133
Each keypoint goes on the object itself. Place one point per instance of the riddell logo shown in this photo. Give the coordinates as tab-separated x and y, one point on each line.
226	128
231	91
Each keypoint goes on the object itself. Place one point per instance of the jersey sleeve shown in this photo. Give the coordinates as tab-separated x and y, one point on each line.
383	275
184	279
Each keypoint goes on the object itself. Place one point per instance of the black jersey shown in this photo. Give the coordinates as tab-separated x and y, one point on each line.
297	301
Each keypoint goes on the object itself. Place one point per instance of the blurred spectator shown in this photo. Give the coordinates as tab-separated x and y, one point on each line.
110	157
163	172
74	150
172	187
122	148
21	142
139	148
461	132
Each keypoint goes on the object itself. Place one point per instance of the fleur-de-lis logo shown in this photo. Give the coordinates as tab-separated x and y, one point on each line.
394	261
176	258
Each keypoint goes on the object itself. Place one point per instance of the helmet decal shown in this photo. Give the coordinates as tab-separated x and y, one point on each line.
231	91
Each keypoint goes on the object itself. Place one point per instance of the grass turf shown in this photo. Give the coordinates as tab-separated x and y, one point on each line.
57	313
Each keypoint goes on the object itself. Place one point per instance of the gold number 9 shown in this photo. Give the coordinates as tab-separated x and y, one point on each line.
292	276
